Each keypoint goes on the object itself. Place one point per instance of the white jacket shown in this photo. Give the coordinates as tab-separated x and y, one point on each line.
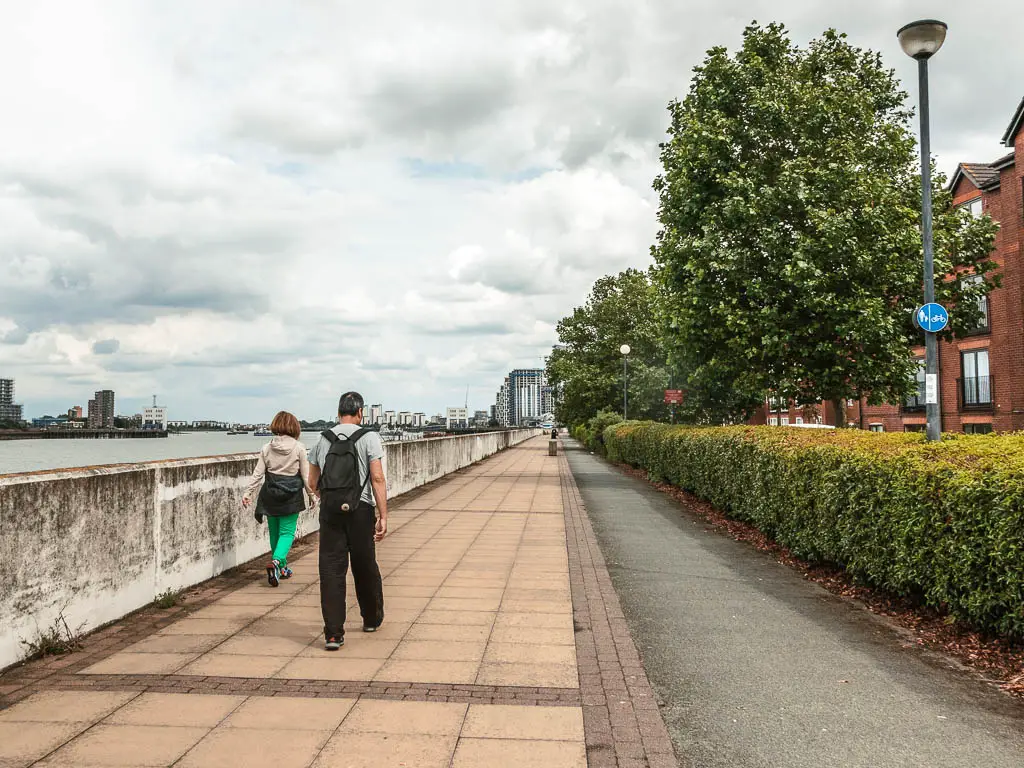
283	455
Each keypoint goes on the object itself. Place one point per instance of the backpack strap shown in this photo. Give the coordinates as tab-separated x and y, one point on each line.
356	436
332	436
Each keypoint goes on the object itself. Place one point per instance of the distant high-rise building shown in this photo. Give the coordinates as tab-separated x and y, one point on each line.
8	410
75	412
524	398
101	410
389	418
529	395
376	413
503	405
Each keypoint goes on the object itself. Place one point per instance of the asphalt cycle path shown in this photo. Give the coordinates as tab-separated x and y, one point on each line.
756	667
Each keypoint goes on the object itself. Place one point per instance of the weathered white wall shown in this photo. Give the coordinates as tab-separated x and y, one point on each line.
98	543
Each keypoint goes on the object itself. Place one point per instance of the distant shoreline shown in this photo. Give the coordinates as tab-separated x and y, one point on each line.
81	434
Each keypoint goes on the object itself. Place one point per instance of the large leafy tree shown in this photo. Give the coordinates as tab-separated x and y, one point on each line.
586	367
790	249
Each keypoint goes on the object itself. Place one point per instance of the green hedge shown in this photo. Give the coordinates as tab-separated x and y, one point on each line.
591	434
941	522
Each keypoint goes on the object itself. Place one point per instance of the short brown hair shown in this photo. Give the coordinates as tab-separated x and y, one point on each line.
286	424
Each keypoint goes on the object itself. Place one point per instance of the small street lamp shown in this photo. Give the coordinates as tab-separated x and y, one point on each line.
625	350
921	40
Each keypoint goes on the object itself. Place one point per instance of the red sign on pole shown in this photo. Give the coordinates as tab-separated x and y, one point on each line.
674	396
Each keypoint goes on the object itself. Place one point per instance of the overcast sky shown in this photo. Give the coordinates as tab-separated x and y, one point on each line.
246	206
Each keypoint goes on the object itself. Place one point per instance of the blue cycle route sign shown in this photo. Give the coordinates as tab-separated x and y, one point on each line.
932	317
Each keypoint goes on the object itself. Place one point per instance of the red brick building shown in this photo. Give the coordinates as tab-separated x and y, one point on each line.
981	376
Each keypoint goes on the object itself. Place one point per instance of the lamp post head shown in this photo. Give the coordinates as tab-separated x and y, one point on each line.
624	349
922	39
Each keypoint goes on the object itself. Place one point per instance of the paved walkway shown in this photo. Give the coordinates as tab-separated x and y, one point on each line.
494	618
757	667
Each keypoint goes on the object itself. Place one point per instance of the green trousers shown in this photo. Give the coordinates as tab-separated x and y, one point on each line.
282	534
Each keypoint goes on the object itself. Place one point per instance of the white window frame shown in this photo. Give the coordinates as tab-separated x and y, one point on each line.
983	303
975	207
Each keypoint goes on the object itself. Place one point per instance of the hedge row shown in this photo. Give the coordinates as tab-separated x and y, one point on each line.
939	522
591	434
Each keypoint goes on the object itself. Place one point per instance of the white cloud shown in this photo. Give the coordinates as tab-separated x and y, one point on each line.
248	206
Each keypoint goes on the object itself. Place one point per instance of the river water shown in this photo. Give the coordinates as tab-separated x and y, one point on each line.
32	455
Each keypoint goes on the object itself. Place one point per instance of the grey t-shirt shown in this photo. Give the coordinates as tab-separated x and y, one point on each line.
369	448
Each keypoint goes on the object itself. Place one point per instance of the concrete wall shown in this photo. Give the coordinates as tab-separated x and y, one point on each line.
98	543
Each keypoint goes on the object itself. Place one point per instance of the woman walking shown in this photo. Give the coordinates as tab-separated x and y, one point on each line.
283	470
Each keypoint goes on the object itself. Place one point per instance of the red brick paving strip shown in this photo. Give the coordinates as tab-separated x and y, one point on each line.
622	724
325	689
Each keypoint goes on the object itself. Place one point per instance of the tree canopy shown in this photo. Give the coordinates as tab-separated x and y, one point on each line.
586	367
790	250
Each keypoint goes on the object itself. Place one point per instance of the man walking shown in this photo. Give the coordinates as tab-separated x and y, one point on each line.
346	470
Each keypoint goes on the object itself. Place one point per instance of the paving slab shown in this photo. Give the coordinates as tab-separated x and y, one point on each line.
475	664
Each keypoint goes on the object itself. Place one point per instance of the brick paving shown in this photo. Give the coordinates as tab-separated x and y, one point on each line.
501	622
620	713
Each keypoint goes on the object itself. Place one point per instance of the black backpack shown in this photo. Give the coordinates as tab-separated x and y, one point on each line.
340	487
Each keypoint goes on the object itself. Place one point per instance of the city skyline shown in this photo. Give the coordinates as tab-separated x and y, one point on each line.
126	407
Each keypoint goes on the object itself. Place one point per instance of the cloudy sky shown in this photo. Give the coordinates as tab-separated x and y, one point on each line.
246	206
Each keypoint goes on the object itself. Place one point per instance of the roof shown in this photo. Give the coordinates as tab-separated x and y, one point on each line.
981	175
1005	161
1015	125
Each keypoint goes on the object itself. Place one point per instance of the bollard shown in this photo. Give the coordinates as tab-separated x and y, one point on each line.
552	447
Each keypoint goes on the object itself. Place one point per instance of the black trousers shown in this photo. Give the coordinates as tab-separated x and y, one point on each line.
345	536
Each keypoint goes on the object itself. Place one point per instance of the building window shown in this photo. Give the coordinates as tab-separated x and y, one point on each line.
976	383
877	427
799	420
914	428
983	322
785	421
977	429
915	400
975	207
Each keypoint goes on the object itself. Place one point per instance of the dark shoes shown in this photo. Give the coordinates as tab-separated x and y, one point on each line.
274	573
370	629
334	643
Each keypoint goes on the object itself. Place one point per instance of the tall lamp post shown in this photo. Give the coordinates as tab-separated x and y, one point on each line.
625	350
921	40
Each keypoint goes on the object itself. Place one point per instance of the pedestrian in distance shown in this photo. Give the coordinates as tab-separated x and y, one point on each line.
283	472
347	473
